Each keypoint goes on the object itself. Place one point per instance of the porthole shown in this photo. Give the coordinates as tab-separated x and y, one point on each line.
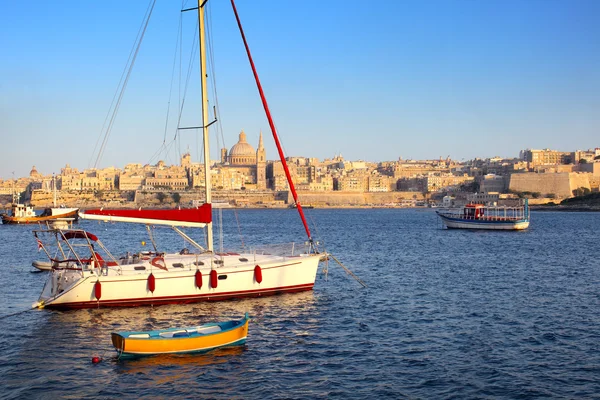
222	277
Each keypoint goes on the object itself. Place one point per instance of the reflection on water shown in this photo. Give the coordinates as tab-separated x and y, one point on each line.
182	362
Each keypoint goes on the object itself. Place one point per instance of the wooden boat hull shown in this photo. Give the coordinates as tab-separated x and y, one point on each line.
7	219
122	286
181	340
461	223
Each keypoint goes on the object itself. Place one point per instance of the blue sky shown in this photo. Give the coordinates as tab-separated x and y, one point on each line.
369	80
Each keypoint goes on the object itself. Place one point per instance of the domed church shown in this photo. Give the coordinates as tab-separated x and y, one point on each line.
242	153
247	164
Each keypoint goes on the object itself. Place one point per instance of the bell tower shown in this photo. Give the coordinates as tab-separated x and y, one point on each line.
261	165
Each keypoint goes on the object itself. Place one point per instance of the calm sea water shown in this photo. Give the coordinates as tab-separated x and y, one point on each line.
447	314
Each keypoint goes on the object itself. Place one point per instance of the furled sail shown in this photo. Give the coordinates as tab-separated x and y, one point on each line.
185	217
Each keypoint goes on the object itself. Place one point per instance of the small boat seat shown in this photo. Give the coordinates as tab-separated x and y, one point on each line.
208	329
139	336
174	334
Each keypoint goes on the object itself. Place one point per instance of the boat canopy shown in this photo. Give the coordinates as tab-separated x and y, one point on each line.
80	235
184	217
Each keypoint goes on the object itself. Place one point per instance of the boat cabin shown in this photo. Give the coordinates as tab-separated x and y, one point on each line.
474	211
22	211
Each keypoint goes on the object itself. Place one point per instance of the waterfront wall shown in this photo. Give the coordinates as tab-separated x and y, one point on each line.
240	198
355	198
561	184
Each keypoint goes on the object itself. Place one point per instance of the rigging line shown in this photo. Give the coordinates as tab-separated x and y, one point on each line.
314	224
237	220
108	113
219	131
112	120
177	45
187	80
221	228
165	146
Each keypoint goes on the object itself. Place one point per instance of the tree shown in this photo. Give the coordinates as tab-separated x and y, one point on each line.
161	197
583	161
176	197
581	191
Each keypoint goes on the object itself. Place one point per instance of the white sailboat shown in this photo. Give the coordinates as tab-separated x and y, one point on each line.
85	273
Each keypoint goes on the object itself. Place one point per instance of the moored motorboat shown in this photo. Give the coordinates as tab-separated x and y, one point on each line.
196	339
480	216
25	214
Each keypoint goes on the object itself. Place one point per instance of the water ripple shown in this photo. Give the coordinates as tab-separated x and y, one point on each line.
447	314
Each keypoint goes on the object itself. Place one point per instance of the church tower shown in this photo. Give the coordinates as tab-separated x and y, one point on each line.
261	165
186	160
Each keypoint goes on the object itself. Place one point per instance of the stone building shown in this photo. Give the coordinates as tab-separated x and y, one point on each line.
546	156
242	166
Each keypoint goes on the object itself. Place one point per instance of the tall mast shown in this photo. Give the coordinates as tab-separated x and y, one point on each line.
203	74
272	126
54	190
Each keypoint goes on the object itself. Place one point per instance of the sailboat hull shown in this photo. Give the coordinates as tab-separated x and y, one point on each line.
127	287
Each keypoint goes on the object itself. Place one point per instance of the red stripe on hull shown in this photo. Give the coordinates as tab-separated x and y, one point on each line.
181	299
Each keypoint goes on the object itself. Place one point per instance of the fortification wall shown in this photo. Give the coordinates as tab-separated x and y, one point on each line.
578	180
561	184
354	198
267	198
594	183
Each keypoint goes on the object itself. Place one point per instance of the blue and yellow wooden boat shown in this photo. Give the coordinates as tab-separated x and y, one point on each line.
195	339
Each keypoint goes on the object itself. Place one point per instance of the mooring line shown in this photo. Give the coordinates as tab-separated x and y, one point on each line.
256	321
19	312
347	270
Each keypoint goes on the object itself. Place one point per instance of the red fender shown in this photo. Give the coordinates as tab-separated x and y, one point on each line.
151	282
159	262
97	290
198	278
258	274
213	279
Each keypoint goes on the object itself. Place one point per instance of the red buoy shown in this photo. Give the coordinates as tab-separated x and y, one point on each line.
213	279
151	282
258	274
98	290
198	279
96	360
